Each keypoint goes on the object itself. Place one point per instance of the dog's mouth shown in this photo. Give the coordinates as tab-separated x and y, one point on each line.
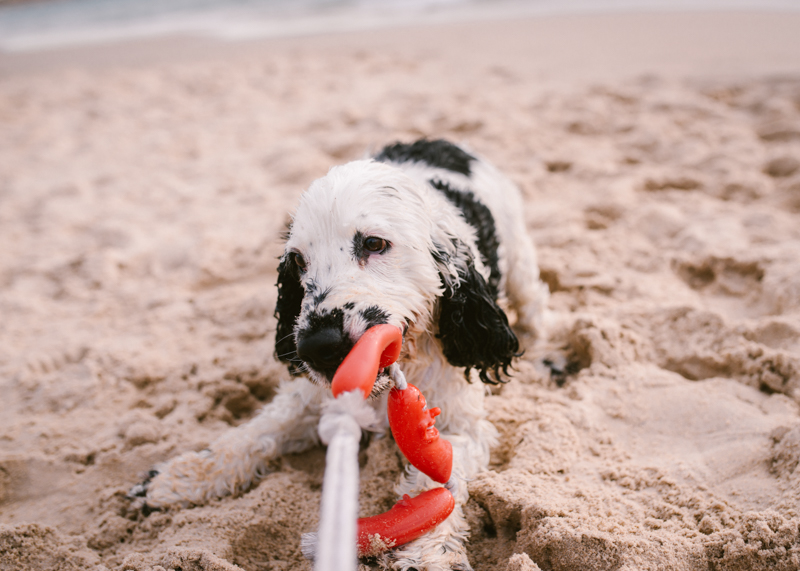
383	380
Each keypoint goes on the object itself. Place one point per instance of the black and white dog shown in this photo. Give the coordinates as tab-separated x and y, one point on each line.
425	237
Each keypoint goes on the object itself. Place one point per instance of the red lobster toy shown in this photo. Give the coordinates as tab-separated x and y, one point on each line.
413	429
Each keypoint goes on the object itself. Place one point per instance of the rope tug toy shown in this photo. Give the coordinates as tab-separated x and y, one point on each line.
412	426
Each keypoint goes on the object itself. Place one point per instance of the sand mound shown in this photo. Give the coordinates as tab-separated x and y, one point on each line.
141	210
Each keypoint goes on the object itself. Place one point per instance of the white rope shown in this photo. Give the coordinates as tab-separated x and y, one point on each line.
337	529
334	549
398	377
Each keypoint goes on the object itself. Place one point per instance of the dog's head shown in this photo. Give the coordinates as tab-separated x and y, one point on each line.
369	245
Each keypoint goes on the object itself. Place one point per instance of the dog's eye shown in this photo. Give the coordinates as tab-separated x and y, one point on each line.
298	260
374	244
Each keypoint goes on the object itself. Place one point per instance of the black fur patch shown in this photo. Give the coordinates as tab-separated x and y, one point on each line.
477	215
374	315
320	297
439	254
357	250
474	331
322	319
287	310
439	154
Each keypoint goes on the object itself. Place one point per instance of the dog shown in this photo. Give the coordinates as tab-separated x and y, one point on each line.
426	237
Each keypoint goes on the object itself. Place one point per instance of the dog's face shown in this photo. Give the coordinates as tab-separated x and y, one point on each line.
360	250
369	245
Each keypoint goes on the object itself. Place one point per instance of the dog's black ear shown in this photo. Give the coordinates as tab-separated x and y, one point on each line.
474	331
290	296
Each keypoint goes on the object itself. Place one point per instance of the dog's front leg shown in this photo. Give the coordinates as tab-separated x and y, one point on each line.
238	458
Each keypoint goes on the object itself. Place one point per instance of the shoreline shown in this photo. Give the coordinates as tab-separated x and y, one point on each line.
714	44
45	28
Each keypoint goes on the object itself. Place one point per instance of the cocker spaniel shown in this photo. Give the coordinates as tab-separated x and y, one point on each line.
426	237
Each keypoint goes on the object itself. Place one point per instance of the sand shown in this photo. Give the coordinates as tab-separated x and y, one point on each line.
140	213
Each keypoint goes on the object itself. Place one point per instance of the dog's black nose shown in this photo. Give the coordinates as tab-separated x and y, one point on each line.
324	349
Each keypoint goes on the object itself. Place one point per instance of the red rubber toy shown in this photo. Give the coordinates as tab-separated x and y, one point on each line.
378	347
408	519
412	427
416	436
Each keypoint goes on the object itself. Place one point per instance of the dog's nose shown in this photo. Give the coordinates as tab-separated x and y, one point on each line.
323	349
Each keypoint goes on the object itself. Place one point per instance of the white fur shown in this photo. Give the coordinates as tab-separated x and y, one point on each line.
393	202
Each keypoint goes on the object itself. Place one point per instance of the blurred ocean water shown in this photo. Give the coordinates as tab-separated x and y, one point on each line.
41	24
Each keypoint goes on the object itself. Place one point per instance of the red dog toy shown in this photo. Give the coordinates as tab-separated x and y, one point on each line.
407	520
413	428
416	436
378	347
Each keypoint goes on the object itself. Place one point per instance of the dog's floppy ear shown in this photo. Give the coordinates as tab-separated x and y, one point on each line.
473	330
287	309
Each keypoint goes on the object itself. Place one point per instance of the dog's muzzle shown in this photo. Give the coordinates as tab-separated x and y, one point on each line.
324	349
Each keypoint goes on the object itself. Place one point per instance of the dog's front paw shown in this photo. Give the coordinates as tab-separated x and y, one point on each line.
437	560
442	549
138	494
183	481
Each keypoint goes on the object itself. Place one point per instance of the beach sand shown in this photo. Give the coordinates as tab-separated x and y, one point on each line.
142	195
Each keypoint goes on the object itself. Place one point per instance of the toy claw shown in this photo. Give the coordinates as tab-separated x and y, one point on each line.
416	436
378	347
408	519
